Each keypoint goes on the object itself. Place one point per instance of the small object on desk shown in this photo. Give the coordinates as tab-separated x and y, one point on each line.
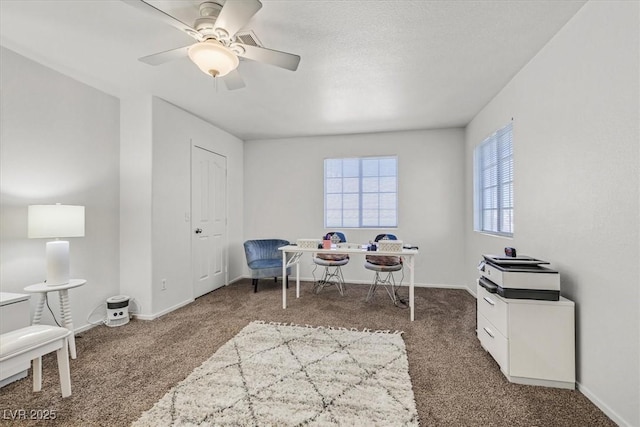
388	245
510	252
307	243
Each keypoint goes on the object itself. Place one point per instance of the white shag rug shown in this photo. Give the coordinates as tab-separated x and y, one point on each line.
286	375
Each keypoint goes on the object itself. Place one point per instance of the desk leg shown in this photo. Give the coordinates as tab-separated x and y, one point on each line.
67	321
38	313
411	285
298	279
284	274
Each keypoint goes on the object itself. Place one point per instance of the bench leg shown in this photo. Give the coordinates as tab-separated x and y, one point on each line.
63	369
255	285
37	373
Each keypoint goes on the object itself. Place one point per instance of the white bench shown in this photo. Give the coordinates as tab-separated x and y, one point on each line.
30	344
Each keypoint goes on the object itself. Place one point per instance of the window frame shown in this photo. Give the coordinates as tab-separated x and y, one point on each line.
501	165
361	193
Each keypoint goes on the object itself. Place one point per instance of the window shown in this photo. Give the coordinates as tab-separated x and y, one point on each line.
361	192
493	179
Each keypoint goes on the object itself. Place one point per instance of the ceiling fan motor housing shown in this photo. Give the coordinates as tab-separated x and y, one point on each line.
210	8
205	26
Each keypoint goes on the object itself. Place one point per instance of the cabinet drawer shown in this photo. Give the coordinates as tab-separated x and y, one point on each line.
14	316
494	342
493	308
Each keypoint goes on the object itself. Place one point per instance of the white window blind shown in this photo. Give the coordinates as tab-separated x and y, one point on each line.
361	192
493	176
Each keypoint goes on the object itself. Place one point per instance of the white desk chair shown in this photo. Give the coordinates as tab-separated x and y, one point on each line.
384	267
332	264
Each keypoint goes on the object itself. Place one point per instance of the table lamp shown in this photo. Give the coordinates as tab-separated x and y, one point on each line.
55	221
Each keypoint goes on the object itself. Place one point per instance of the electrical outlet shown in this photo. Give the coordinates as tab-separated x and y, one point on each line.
164	284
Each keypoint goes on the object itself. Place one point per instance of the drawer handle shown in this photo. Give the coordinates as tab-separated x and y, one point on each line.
488	300
489	332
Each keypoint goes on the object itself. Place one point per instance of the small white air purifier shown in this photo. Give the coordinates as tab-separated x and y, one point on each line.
117	310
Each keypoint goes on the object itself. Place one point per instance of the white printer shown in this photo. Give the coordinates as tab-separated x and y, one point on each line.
519	277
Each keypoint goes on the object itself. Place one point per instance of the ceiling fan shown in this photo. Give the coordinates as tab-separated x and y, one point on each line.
219	44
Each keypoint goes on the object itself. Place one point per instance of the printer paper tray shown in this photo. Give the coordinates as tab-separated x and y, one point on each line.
514	293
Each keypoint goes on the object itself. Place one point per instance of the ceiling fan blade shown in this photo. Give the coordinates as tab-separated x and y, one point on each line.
269	56
233	80
166	56
235	14
165	17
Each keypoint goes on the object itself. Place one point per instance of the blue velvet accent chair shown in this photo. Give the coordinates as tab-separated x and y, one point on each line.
384	266
265	260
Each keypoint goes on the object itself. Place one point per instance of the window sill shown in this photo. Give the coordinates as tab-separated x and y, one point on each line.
489	234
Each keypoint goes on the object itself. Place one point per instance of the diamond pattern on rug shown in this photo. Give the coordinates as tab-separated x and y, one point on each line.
278	374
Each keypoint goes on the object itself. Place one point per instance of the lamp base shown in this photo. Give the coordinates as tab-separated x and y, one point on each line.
57	263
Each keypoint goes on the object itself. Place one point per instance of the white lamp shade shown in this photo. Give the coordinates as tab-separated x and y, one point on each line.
52	221
213	58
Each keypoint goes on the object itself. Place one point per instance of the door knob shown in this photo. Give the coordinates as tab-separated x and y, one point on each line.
198	230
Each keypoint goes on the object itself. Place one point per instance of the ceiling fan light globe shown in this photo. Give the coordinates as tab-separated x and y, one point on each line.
213	58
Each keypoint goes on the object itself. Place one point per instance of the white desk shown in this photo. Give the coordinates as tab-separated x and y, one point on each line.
65	308
408	256
14	314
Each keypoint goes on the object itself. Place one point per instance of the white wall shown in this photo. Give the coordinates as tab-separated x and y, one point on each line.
59	142
135	200
174	133
156	201
576	162
284	195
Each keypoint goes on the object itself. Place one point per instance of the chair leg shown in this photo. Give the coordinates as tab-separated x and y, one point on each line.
387	282
390	282
255	285
329	278
37	373
373	287
286	280
63	369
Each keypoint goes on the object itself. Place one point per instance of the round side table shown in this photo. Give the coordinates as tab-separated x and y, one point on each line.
65	308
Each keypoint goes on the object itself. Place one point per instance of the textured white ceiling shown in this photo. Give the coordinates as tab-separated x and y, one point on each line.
367	66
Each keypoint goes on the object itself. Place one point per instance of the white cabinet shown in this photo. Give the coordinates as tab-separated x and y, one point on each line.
532	341
14	314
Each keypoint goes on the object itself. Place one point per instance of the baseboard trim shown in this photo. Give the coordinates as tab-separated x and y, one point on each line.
602	406
86	328
163	312
292	279
175	307
232	281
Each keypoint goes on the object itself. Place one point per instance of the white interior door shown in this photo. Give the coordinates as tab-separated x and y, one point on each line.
208	220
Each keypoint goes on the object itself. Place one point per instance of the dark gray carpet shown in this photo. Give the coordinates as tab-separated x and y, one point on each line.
121	372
